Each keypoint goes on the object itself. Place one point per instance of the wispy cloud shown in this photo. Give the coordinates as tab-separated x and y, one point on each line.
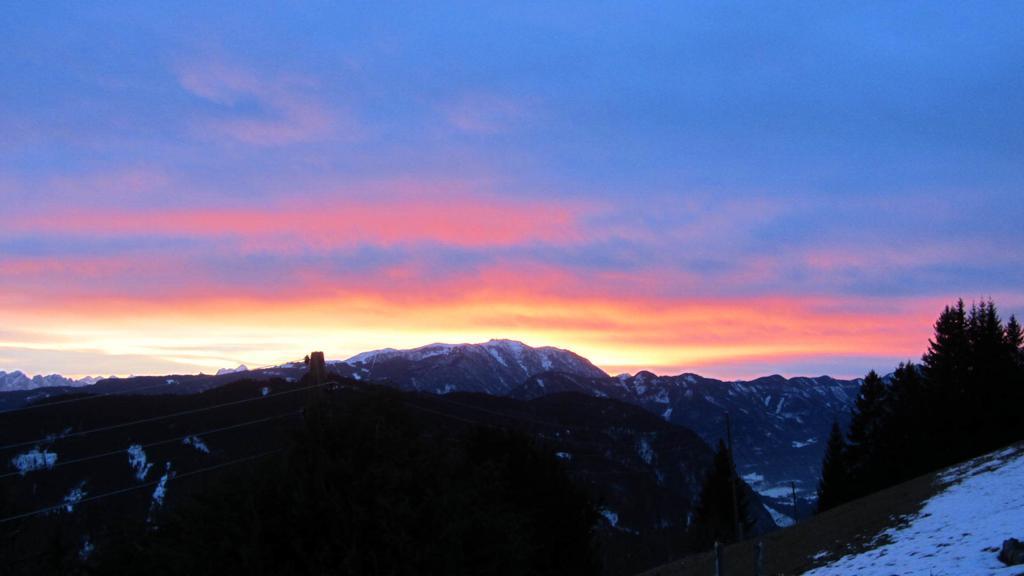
472	221
259	109
653	189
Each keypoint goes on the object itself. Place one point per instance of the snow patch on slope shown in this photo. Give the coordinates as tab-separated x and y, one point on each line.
160	492
644	450
545	361
782	520
611	517
753	478
74	497
497	356
137	461
34	460
958	531
197	443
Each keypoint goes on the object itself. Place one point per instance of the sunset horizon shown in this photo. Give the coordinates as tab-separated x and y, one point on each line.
511	289
179	199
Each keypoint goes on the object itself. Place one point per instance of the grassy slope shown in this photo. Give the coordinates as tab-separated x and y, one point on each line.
846	529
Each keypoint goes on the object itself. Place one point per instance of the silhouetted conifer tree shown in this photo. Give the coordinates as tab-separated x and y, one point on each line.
946	366
865	433
963	401
714	520
987	368
834	484
907	428
1013	397
1014	338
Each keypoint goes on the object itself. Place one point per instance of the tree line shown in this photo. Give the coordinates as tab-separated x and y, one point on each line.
962	400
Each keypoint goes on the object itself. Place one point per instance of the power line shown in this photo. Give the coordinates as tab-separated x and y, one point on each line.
252	422
201	409
297	412
161	442
88	396
255	456
203	470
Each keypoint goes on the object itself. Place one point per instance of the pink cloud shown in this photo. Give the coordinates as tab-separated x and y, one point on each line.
466	221
882	258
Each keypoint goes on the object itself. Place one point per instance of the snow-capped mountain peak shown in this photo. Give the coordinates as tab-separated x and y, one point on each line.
493	367
241	368
18	380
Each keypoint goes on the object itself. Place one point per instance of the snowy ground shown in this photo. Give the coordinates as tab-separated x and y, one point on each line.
958	531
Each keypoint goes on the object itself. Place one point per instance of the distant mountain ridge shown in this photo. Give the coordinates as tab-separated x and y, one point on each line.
780	425
18	380
644	473
496	367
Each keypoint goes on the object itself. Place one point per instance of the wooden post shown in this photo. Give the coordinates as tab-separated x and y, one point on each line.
718	559
759	560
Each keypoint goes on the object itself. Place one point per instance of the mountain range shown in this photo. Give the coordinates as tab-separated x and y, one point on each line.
779	425
643	473
18	381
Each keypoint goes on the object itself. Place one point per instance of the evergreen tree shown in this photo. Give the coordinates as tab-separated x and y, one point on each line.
987	344
714	520
960	403
834	484
1013	340
864	437
906	431
947	367
1013	398
989	372
946	362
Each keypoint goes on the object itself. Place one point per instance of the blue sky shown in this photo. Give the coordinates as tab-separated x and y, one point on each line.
726	173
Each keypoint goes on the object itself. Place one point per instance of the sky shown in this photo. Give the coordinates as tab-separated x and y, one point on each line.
733	189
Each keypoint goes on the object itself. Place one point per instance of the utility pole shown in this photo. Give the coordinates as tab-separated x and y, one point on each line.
732	477
719	569
759	559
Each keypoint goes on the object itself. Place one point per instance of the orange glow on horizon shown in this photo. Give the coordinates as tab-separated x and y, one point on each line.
615	334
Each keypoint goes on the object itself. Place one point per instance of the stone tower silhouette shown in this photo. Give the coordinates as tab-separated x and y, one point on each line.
317	368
